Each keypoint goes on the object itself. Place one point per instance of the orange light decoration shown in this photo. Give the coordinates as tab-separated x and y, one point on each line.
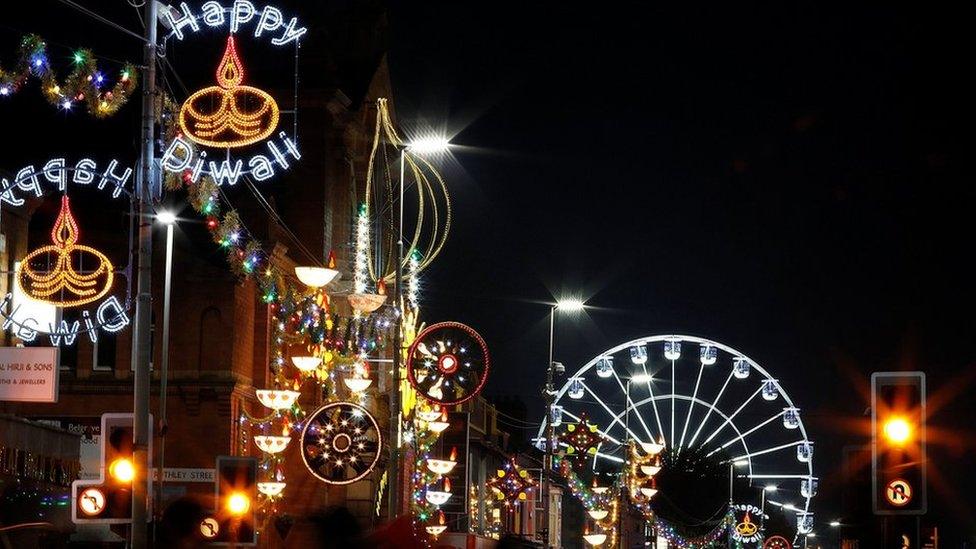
230	124
64	285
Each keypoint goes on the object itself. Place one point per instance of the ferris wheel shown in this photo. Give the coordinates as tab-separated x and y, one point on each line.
695	396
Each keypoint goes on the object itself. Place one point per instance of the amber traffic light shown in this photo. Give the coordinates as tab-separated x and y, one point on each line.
898	457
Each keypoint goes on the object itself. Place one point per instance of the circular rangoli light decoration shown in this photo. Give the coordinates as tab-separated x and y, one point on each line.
448	363
65	273
341	443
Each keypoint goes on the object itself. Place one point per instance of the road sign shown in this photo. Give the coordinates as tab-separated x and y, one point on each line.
209	528
898	492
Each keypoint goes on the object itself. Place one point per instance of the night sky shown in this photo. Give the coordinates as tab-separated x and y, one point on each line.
783	178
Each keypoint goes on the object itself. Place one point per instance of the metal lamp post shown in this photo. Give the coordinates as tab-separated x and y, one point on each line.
549	393
168	219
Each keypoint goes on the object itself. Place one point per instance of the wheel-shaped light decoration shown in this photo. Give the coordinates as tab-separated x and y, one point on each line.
448	363
777	542
341	443
678	395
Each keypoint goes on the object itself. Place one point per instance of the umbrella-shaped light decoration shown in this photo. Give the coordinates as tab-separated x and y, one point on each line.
277	399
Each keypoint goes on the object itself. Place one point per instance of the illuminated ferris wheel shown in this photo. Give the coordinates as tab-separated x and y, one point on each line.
698	397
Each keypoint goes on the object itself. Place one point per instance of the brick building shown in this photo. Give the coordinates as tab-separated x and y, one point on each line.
219	334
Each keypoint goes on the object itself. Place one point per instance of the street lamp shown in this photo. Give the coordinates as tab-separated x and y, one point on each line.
422	146
732	466
169	219
762	503
569	305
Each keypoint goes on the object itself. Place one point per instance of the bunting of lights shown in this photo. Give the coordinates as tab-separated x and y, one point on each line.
85	85
667	531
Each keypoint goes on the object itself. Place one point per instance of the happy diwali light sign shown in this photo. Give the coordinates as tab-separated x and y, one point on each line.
65	273
231	115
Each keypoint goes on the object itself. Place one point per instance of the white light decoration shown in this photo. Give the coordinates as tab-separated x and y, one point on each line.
648	492
315	277
436	530
808	487
361	262
575	390
708	355
271	444
769	390
791	418
804	452
638	354
271	489
437	498
604	367
598	514
600	489
672	350
652	448
441	466
306	363
804	522
650	470
595	539
277	399
740	368
557	416
366	303
413	279
268	21
357	384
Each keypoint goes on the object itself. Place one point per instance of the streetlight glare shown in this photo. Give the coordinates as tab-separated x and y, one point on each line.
835	523
770	488
570	304
166	218
429	145
740	462
642	378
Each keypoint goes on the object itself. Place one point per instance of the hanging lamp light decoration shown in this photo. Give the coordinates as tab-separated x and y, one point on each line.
581	439
306	363
359	381
440	497
439	528
439	425
640	472
277	399
318	277
443	466
448	363
271	489
271	444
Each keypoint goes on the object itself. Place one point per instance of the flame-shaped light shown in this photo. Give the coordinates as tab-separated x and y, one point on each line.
439	528
271	489
277	399
271	444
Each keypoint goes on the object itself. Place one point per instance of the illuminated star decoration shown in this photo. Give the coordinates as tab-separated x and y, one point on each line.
340	443
448	363
75	275
511	483
581	439
229	115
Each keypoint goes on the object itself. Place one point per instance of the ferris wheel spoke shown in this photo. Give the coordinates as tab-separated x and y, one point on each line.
615	418
751	455
631	405
735	413
605	435
650	391
748	432
710	408
673	381
691	405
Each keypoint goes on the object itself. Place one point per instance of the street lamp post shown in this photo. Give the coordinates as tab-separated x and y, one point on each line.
430	145
549	393
168	219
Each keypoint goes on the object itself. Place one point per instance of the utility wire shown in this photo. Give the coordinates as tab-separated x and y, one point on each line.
102	19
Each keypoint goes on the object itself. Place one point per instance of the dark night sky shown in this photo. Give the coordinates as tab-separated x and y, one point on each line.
785	178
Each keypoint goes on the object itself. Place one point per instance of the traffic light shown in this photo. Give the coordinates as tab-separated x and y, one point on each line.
233	521
108	500
898	458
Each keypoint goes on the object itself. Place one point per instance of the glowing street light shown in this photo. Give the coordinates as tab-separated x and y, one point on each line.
166	218
429	145
570	305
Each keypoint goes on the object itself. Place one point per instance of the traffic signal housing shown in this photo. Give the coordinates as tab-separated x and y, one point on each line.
898	456
233	521
108	500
